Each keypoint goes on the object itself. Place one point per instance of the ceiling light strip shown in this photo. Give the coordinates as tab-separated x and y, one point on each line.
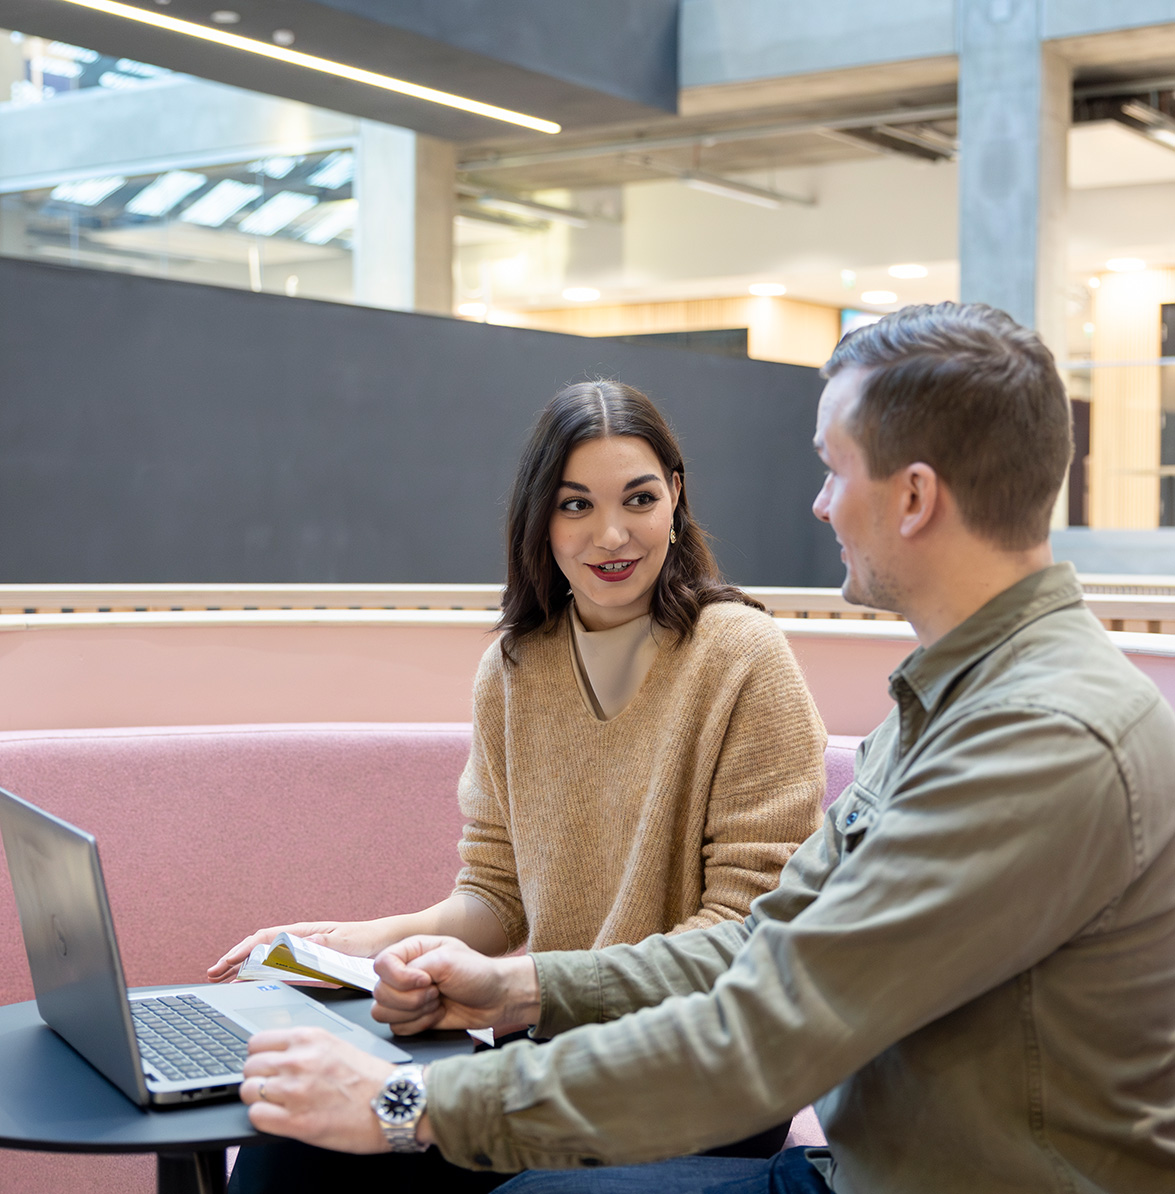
313	62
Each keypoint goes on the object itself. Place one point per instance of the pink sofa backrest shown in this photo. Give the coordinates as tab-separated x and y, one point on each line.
209	832
838	765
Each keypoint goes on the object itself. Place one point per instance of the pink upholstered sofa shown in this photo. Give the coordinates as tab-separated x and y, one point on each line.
207	832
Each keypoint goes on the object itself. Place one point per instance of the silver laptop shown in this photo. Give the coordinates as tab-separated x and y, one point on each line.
141	1043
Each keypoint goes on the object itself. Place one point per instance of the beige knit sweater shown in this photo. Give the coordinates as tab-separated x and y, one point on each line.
674	815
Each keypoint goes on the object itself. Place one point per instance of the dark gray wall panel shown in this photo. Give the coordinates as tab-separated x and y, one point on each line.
161	431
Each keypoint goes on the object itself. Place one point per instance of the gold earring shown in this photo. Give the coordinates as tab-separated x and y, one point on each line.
672	535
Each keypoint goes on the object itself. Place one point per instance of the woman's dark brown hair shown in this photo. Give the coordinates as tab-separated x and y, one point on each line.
537	592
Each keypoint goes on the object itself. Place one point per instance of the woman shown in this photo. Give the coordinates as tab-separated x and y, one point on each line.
645	755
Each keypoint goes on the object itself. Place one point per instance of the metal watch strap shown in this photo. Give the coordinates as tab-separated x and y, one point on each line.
399	1106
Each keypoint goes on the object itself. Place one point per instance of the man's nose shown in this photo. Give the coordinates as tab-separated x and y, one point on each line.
820	505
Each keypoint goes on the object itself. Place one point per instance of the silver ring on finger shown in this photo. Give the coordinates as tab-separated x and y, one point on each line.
261	1090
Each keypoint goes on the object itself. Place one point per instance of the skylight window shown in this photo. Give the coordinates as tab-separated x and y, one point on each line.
336	171
282	209
159	197
88	192
224	200
337	219
277	167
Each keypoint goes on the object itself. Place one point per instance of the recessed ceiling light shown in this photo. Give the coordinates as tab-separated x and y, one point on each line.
1094	282
1125	265
157	198
1088	329
283	37
879	298
313	62
472	310
767	289
908	271
581	294
225	16
848	278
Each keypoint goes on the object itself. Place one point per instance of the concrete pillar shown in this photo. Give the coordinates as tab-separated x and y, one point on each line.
384	245
11	65
1015	98
13	227
436	207
403	247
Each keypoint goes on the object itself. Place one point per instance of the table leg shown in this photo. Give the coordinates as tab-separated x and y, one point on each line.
201	1172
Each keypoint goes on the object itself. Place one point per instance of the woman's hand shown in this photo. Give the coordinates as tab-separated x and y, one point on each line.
360	938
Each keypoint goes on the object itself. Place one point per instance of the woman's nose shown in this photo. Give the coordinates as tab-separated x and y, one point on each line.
611	535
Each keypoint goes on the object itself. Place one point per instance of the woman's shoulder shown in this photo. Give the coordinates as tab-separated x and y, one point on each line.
531	651
721	619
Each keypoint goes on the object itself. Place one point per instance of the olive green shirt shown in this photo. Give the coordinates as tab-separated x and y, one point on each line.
970	968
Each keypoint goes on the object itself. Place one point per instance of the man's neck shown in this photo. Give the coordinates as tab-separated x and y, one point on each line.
961	581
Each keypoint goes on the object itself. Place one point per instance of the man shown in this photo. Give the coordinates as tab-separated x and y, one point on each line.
971	966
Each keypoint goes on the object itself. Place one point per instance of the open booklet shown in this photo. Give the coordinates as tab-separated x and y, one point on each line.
290	957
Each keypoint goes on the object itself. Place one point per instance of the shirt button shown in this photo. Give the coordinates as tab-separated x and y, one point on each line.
482	1159
851	818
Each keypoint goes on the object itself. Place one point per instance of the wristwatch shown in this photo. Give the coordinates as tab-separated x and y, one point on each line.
399	1106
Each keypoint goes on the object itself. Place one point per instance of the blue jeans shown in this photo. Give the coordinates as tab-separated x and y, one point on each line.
788	1172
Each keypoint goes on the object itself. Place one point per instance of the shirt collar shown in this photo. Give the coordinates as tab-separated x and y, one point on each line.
929	672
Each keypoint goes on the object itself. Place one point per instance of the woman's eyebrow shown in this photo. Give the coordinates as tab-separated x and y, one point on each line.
574	485
641	481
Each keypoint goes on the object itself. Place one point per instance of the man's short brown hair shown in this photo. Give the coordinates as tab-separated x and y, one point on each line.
968	391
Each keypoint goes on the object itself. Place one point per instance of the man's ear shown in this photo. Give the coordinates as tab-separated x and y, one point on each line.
921	499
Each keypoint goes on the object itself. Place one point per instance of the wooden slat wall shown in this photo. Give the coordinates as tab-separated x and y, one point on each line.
778	329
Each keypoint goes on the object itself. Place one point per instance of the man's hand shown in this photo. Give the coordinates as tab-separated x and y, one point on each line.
439	982
308	1084
360	938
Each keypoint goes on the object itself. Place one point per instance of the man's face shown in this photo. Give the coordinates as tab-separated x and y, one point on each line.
856	506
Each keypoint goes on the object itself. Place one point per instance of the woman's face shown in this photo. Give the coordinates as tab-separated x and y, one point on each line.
610	529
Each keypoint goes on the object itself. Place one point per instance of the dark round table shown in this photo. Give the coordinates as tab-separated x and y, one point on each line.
52	1099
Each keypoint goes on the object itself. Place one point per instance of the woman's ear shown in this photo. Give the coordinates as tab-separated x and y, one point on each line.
675	487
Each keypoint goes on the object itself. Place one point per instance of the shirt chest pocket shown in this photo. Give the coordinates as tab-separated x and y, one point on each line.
856	819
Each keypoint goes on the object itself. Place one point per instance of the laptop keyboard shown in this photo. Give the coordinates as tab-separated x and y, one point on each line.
181	1036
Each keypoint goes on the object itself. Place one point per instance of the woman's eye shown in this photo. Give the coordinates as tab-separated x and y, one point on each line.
574	505
641	499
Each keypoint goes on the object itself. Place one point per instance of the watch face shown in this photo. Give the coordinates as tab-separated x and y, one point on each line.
401	1099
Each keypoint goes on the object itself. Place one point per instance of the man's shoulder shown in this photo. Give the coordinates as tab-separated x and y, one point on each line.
1066	665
